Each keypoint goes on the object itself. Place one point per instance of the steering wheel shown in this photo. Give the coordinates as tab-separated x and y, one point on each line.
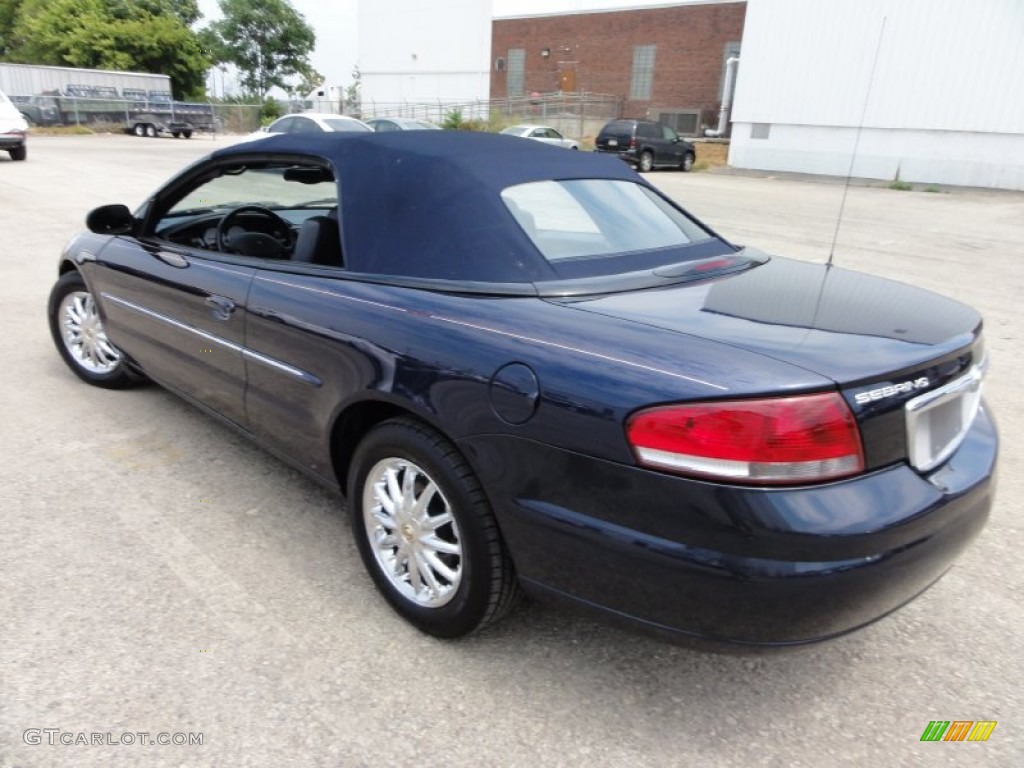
258	244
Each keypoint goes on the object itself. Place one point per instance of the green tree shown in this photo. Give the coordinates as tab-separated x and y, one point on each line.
187	11
268	40
8	29
113	34
353	103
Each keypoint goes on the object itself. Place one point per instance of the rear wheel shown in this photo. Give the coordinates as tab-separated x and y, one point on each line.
426	532
151	131
18	153
176	134
140	129
78	332
646	162
187	134
687	163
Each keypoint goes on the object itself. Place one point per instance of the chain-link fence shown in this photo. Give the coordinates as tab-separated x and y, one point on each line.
48	110
577	113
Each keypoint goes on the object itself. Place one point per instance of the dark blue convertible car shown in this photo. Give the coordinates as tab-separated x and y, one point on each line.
527	368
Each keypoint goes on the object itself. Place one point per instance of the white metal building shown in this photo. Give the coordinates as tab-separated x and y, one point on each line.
32	79
945	104
416	52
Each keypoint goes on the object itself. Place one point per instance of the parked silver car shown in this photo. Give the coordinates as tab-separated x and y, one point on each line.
544	133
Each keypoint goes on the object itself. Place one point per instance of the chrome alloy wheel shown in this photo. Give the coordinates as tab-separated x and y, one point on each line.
83	335
412	532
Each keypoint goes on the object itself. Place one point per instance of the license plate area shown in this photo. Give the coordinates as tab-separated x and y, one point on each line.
938	420
613	142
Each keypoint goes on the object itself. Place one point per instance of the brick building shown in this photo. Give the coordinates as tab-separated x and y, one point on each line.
664	63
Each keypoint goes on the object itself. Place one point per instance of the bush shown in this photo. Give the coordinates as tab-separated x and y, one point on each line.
270	112
452	120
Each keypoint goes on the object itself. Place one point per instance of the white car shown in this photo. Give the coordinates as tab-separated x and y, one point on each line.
13	129
385	124
544	133
312	122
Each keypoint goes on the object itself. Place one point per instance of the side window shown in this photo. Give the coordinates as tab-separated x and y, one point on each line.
551	133
386	126
538	133
281	126
668	134
305	125
647	131
259	210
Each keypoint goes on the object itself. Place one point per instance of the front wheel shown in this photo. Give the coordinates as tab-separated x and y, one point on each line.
187	134
687	163
426	532
18	153
78	332
139	129
646	162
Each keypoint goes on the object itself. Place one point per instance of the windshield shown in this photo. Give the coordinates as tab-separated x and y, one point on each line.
597	218
268	187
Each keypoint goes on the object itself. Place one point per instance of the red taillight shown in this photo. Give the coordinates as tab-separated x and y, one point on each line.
632	143
800	439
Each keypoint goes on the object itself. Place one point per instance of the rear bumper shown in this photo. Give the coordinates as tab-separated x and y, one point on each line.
12	140
731	564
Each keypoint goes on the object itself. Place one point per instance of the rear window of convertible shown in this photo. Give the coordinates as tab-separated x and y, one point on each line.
588	219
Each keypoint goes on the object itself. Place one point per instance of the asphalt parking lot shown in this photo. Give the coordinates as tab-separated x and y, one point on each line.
159	574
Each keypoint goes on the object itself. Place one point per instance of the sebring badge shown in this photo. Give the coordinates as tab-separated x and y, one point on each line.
891	390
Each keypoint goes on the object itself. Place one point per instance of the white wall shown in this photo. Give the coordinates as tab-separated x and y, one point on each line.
413	51
946	104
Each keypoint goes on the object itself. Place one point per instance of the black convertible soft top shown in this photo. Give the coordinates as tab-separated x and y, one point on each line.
427	203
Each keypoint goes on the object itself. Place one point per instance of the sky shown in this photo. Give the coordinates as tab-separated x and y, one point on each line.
335	23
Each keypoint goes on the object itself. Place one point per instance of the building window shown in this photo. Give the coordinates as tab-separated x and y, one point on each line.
683	122
643	72
516	73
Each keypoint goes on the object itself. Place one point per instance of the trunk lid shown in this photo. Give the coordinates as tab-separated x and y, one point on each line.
884	343
847	326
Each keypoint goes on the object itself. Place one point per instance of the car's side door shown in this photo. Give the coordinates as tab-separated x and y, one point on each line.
649	138
674	149
179	315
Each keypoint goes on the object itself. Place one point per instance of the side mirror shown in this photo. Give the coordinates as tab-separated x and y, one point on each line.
110	220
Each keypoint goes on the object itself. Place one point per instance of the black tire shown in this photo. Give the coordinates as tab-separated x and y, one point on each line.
119	375
187	134
486	587
687	163
18	153
139	129
646	162
150	130
176	134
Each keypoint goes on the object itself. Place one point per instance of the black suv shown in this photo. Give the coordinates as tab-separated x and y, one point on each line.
646	145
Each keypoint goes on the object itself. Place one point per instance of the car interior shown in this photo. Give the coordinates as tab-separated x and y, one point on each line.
286	212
